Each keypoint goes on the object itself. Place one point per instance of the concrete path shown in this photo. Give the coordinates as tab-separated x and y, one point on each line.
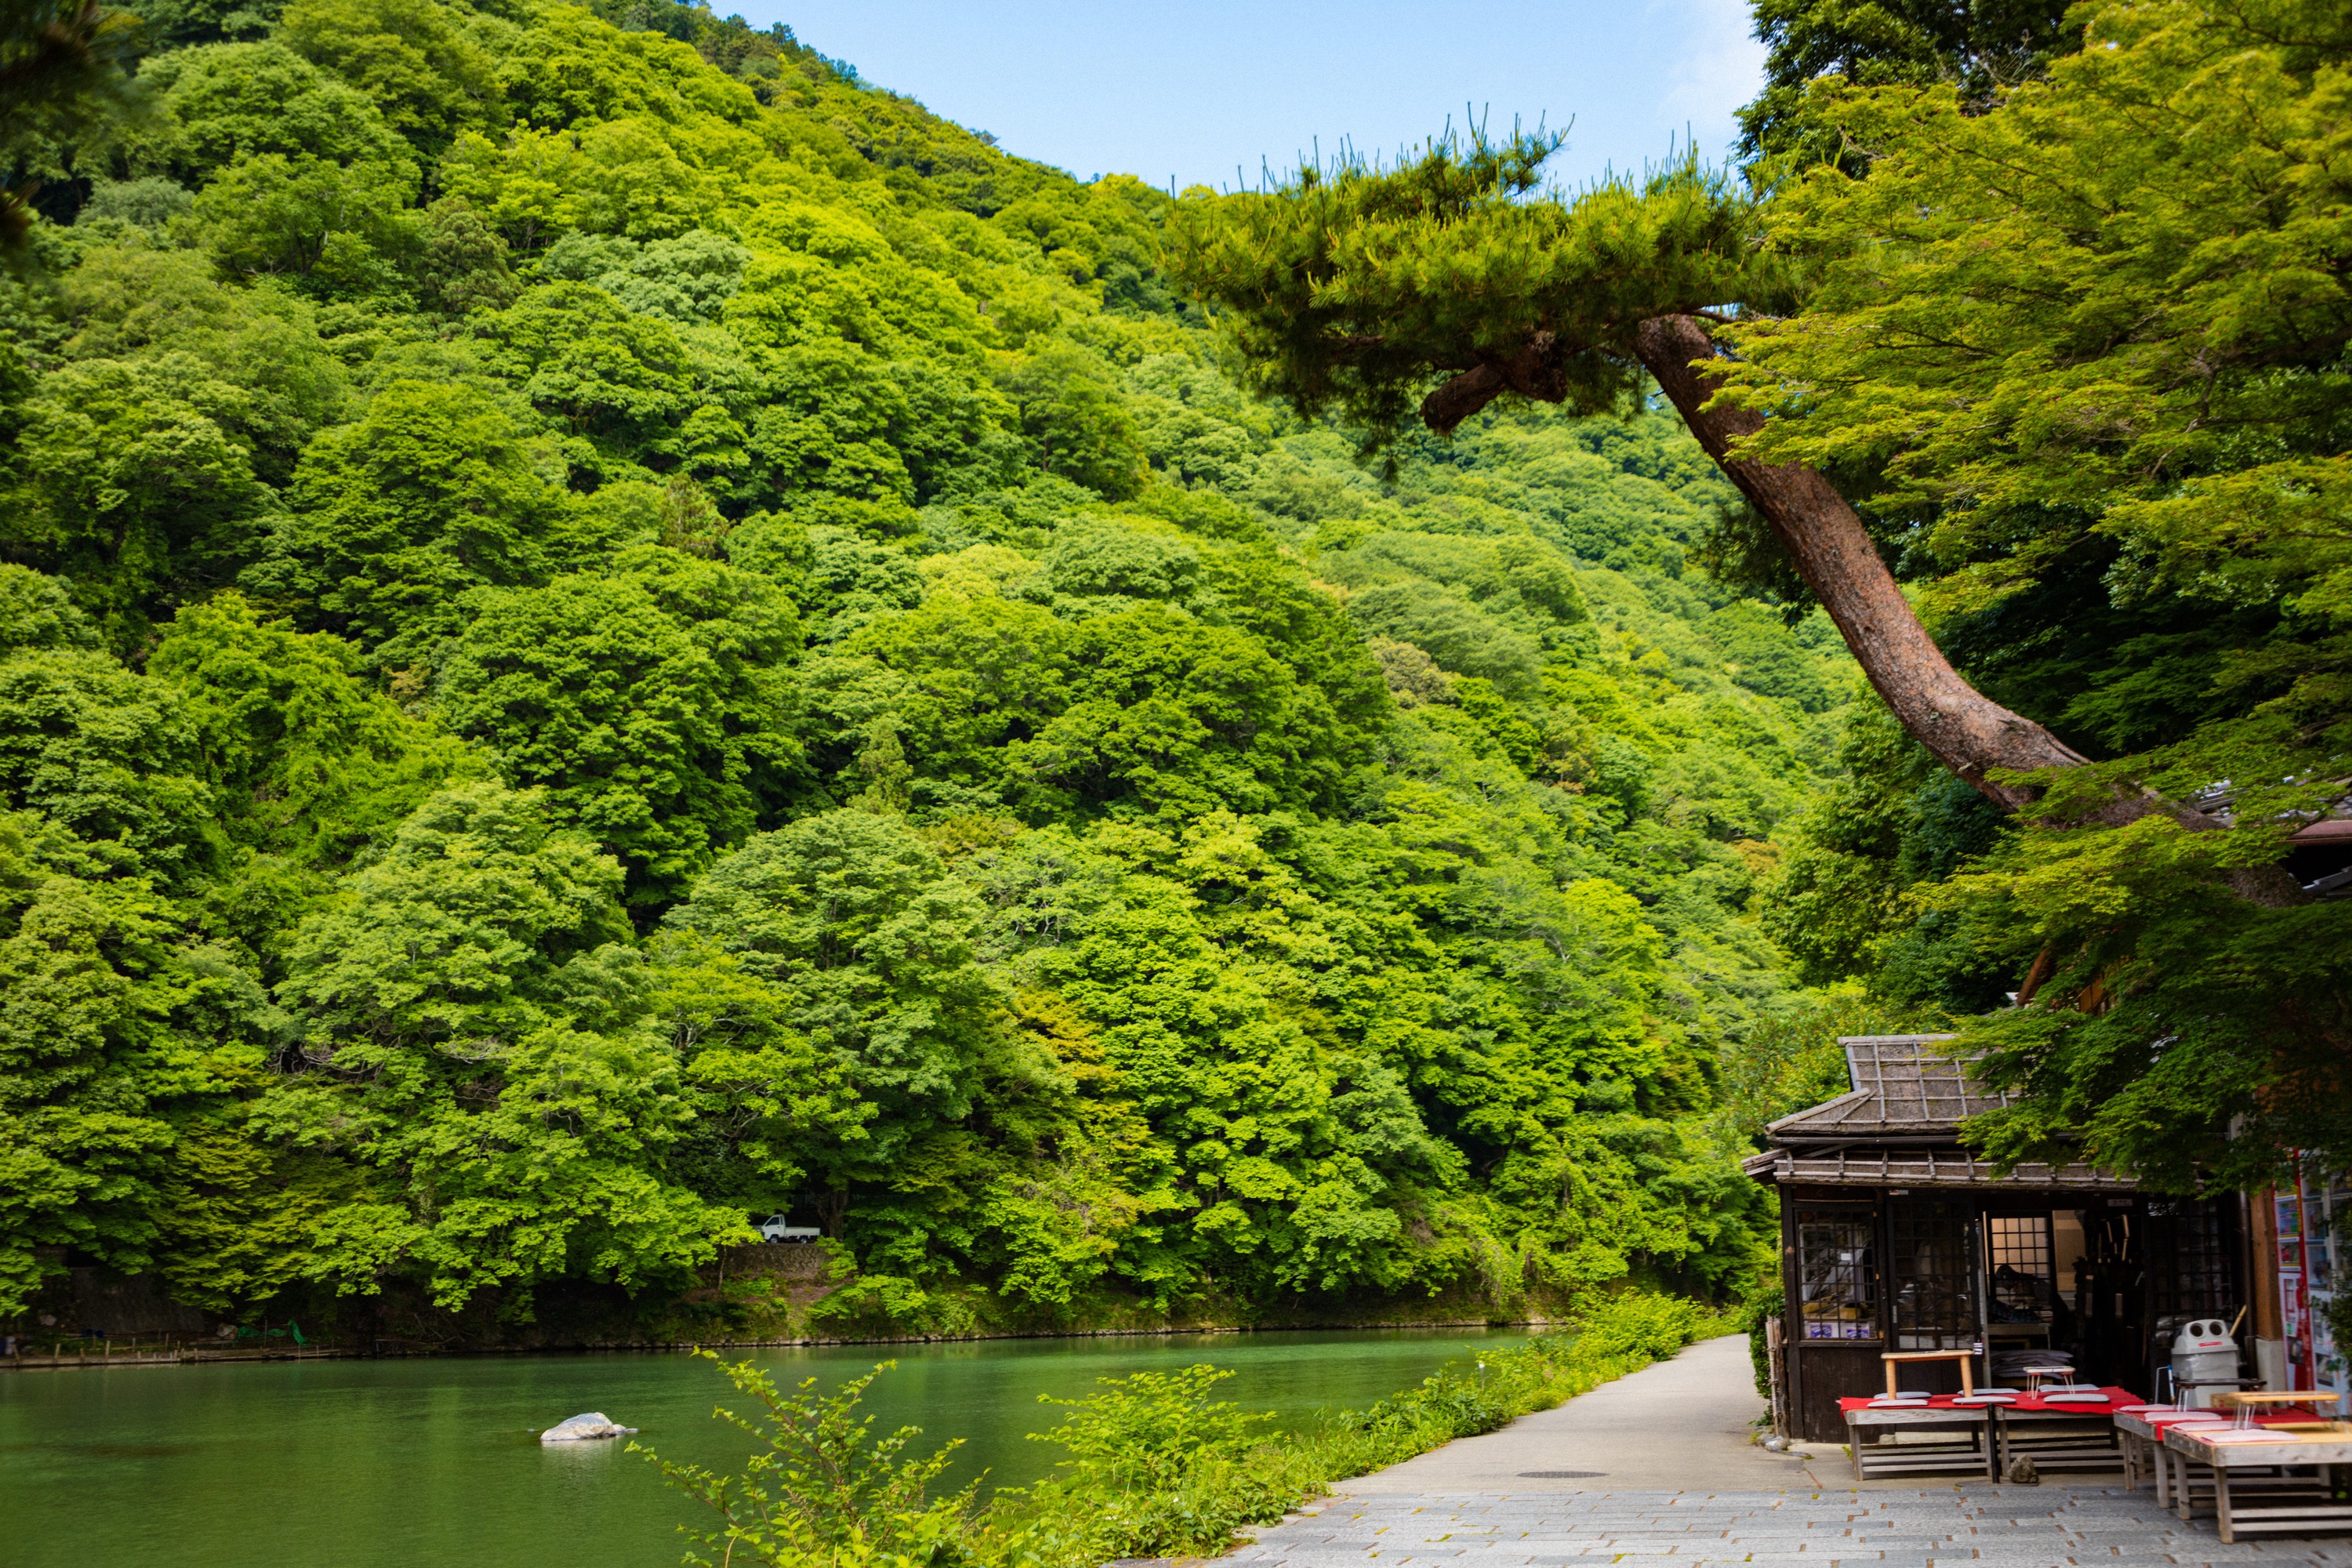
1658	1468
1680	1424
1984	1527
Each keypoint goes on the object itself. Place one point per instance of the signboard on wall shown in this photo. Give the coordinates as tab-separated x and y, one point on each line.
2311	1270
2327	1205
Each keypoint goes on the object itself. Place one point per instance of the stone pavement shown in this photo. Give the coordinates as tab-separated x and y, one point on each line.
1997	1526
1658	1467
1676	1424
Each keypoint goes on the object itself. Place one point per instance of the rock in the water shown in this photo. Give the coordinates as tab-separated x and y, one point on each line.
582	1428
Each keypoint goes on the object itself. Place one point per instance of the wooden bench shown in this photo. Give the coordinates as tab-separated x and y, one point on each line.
2253	1486
1972	1446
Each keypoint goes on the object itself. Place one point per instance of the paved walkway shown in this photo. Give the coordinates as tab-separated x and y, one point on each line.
1657	1468
1685	1424
2008	1527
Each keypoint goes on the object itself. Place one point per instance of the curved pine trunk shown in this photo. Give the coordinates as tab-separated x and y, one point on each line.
1968	732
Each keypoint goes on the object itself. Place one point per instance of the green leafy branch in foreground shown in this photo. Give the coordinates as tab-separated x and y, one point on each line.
1158	1467
825	1490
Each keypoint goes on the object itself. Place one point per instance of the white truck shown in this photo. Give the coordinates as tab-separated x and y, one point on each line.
773	1229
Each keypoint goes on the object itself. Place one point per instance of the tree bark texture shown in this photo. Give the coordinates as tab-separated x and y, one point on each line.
1968	732
1965	730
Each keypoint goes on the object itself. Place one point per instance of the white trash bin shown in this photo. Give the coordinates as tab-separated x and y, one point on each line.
2203	1352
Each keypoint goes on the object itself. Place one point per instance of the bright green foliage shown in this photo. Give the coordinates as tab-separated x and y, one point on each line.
1158	1467
854	919
452	1005
650	703
108	757
1977	49
336	232
136	485
37	613
84	965
1897	821
1349	285
1150	1429
620	380
637	633
826	1490
269	381
224	102
2082	355
414	57
430	493
686	279
304	761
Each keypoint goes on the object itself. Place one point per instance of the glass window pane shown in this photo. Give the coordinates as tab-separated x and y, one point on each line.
2023	1289
1834	1272
1934	1277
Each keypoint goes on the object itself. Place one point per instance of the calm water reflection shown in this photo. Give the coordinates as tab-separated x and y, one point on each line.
432	1464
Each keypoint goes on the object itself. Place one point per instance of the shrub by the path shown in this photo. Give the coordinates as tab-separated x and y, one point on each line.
1158	1466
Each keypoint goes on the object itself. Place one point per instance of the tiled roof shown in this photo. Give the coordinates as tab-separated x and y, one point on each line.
1901	1083
1903	1086
1920	1168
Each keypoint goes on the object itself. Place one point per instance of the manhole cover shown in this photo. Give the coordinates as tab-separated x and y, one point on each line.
1560	1475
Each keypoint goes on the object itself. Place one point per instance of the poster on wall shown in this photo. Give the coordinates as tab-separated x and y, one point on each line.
2287	1211
2326	1205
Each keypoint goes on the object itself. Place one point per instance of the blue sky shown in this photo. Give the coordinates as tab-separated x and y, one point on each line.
1191	90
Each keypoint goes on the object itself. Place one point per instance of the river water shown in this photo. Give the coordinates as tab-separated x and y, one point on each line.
431	1463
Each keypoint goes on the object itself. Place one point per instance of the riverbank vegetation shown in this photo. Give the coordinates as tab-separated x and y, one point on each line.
2025	344
1158	1466
607	630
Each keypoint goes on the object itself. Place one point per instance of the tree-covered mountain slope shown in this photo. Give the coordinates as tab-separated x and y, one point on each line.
607	629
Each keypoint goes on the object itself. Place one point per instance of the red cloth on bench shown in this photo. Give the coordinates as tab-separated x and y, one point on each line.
2116	1399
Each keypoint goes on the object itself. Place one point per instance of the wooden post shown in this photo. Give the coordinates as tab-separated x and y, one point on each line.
1776	1355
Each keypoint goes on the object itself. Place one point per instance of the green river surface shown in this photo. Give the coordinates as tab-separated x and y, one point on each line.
432	1463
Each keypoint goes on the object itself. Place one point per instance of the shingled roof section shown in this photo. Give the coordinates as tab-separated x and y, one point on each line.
1901	1083
1903	1086
1919	1169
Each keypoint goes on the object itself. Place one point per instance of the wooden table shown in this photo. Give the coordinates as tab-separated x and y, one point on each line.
1967	1382
2143	1447
2069	1446
1976	1446
1985	1436
2273	1501
2300	1400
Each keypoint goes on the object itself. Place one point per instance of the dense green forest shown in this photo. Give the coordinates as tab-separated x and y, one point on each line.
609	629
2023	338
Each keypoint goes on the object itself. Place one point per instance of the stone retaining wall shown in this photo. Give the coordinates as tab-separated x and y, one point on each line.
784	1259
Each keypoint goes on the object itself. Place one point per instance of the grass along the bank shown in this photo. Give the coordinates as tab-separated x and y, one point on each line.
1158	1466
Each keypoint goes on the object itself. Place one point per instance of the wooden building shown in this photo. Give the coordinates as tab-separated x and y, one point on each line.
1893	1236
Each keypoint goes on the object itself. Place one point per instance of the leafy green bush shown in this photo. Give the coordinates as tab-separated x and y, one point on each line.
826	1490
1639	1322
1754	1313
1157	1467
1152	1427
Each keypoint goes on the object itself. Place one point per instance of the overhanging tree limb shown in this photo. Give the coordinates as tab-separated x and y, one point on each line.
1967	730
1346	290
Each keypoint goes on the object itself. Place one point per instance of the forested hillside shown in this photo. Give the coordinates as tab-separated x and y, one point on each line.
608	629
2023	338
